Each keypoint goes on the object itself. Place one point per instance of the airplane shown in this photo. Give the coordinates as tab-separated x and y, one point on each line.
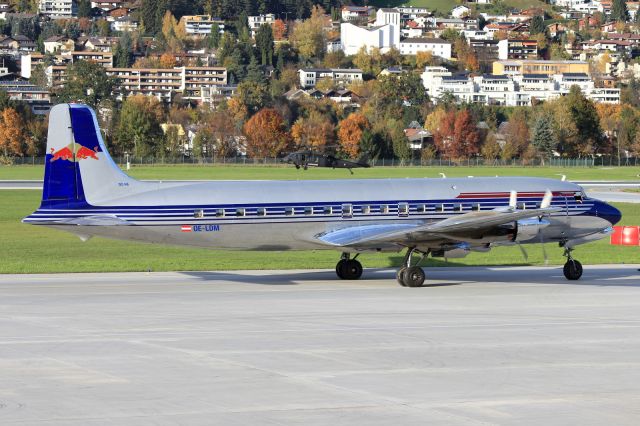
85	193
309	158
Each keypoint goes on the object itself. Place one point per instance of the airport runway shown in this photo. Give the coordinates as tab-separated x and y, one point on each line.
481	346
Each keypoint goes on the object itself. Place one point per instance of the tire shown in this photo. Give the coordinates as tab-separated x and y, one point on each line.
572	270
340	268
351	270
414	277
400	276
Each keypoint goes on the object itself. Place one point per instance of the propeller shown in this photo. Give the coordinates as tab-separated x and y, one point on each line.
546	203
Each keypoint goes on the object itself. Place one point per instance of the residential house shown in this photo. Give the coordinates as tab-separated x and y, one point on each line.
357	13
201	25
56	44
124	24
57	9
437	46
517	49
309	77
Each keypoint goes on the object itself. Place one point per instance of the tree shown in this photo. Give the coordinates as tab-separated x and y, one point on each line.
264	43
543	138
167	60
266	134
84	9
424	58
254	96
586	120
12	133
279	29
399	139
491	148
350	133
123	53
537	25
308	36
87	82
466	136
619	11
517	131
315	131
138	130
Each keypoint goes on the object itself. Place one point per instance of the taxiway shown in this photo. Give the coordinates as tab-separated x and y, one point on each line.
480	346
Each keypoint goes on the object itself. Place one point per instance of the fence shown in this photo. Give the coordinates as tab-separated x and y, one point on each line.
604	161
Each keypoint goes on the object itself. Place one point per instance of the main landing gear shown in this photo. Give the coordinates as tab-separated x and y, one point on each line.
411	276
572	269
347	268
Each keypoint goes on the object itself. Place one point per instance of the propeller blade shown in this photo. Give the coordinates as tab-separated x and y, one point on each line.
513	199
546	200
523	251
544	250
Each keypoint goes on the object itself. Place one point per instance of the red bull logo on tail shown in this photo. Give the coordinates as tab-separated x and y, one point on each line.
67	153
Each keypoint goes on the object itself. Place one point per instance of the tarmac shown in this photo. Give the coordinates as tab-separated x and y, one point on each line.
478	346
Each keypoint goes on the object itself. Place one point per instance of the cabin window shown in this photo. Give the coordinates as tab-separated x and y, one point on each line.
288	211
308	211
261	211
458	207
440	207
347	210
476	207
384	209
366	209
198	214
328	210
219	212
421	208
240	212
403	209
522	206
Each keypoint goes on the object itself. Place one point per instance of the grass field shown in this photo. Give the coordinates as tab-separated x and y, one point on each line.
271	172
34	249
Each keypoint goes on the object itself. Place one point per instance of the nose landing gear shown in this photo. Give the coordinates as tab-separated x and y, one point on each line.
572	269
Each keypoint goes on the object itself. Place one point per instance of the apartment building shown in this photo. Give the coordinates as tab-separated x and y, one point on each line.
38	98
57	9
533	66
29	62
201	25
519	90
256	21
309	77
161	83
517	49
357	13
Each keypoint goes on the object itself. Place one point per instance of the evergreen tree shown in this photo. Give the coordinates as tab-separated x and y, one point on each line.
213	39
537	25
123	54
84	8
264	43
619	11
254	71
543	138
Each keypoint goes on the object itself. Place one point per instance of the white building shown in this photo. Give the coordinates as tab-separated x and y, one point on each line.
519	90
476	35
353	37
201	25
460	11
356	13
386	16
124	24
256	21
437	46
58	8
309	77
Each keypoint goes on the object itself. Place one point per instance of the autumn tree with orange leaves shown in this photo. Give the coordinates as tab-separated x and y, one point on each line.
315	131
457	136
266	134
12	133
350	133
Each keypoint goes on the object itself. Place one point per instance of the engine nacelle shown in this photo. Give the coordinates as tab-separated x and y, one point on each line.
457	251
528	229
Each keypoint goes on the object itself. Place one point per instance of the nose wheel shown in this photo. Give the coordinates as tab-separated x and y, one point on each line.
572	270
347	268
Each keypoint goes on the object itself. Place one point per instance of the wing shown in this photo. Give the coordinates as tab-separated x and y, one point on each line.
454	228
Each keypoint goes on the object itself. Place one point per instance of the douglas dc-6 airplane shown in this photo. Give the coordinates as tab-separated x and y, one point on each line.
85	193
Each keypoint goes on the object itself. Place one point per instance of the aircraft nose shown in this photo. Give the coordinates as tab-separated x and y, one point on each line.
608	212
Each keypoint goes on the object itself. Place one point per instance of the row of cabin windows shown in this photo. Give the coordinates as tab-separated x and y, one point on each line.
346	210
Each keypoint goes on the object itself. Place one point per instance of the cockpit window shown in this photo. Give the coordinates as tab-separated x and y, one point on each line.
578	197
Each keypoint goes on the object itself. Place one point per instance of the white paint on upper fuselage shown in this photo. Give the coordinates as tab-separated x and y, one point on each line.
306	191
